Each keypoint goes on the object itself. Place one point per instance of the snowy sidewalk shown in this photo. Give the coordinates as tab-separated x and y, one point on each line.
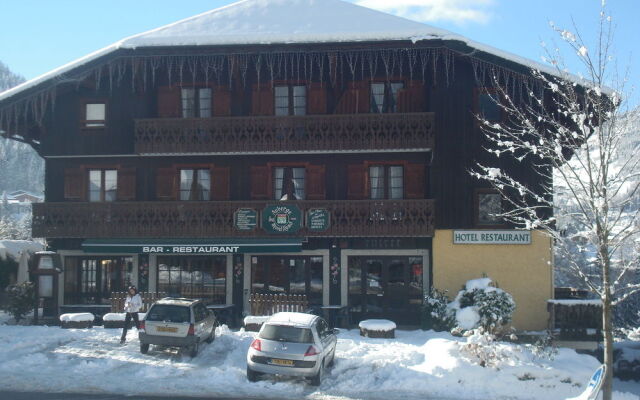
415	365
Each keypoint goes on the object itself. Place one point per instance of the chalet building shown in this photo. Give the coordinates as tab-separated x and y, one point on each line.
290	146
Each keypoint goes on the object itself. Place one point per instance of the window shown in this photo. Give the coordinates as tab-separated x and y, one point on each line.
289	183
103	184
384	96
489	208
196	277
292	275
195	184
487	107
196	102
291	100
386	181
95	115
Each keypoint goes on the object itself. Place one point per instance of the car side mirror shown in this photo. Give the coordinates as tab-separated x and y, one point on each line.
335	331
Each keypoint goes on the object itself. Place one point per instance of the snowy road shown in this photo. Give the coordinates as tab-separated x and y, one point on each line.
68	396
416	365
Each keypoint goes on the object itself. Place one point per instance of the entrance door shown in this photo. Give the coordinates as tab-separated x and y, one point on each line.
386	287
91	280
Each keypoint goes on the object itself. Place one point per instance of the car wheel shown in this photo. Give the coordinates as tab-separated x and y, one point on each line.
144	348
194	350
333	358
252	376
212	336
317	379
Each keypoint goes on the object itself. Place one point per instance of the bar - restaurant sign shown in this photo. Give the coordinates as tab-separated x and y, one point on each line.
492	237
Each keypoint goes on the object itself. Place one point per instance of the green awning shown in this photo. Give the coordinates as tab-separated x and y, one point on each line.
192	246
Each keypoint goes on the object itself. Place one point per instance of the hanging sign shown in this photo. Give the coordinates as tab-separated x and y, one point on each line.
492	237
318	219
281	219
245	219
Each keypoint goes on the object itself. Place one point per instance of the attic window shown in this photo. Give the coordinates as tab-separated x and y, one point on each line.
95	115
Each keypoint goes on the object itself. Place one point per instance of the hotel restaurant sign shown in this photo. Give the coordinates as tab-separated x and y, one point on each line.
492	237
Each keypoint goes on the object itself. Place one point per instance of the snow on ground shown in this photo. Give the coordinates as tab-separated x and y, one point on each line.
415	365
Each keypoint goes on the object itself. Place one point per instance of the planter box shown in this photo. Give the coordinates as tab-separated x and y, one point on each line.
377	328
113	324
378	334
76	324
77	321
253	323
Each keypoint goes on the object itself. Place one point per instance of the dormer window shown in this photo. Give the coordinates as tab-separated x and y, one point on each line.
196	102
95	115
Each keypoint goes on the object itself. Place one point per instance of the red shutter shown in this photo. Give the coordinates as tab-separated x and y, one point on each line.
126	184
415	181
316	182
221	101
260	182
412	98
169	102
262	101
355	100
74	184
220	183
356	182
317	99
166	183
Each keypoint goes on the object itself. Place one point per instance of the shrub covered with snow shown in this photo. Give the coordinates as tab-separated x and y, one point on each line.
480	304
436	313
20	300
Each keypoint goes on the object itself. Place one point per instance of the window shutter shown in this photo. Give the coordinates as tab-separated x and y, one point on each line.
262	101
126	184
74	184
220	182
260	182
166	183
317	99
412	98
316	182
169	102
355	100
415	181
221	101
356	182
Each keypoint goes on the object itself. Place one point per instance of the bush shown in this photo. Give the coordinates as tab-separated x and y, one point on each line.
480	304
20	300
436	313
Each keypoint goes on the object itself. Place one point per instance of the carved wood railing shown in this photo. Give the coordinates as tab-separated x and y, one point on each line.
379	218
283	134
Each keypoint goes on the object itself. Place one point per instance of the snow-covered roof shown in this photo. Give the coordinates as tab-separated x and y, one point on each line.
292	318
264	22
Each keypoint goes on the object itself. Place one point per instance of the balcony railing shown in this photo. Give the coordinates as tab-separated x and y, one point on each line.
395	218
363	132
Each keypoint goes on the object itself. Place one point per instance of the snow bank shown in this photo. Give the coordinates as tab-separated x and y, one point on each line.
256	319
13	248
115	317
77	317
382	325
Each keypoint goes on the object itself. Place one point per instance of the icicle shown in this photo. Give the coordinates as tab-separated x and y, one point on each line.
258	65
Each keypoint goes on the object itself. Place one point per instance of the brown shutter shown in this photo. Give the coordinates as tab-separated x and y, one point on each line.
169	102
221	101
220	182
316	182
260	182
415	181
356	182
412	99
166	183
262	100
317	99
355	100
126	184
74	184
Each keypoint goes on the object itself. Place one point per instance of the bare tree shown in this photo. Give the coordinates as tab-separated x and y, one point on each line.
575	135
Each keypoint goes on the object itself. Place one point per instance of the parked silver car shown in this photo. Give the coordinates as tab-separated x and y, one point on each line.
293	344
176	322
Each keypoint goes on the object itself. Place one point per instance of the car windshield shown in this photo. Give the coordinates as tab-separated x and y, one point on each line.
289	334
167	313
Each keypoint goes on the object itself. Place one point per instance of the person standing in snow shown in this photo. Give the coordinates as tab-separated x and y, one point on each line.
132	304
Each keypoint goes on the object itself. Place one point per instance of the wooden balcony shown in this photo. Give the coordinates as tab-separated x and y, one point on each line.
312	133
395	218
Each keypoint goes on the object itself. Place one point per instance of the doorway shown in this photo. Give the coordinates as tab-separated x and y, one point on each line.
91	280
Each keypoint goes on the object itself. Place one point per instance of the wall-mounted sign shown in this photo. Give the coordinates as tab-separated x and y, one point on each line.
281	219
492	237
181	246
190	249
318	219
245	219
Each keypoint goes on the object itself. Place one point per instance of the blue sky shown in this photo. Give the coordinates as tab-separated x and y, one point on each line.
39	35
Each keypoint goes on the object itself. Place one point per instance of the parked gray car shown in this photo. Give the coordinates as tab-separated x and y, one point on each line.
177	322
293	344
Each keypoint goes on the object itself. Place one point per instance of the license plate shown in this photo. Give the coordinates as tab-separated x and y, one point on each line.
284	363
167	329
